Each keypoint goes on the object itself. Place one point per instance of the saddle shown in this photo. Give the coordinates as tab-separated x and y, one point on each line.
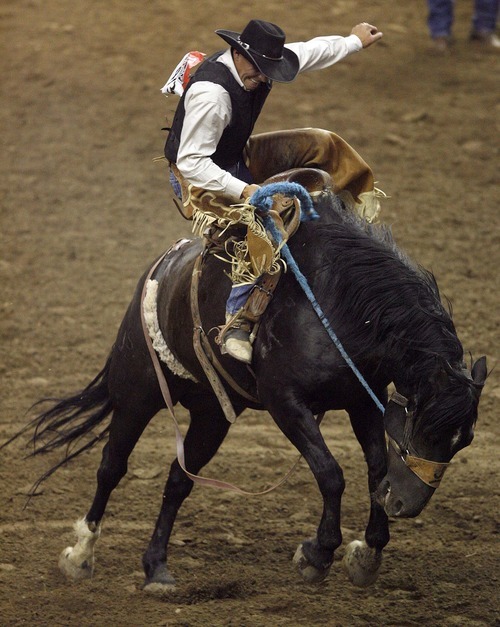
285	212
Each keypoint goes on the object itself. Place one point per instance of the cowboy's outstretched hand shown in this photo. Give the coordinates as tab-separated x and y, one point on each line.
367	33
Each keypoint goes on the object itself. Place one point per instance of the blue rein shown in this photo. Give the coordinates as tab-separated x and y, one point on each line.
262	200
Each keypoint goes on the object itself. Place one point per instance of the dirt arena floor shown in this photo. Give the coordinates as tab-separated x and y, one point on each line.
84	209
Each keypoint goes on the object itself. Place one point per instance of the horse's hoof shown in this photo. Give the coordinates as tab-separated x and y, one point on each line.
361	563
159	589
160	583
309	573
74	568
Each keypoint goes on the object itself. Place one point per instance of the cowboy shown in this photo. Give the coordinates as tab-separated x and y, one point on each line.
215	161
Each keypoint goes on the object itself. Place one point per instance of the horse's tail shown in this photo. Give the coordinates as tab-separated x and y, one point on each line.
68	421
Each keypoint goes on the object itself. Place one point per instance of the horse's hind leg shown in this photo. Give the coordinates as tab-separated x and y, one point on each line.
206	433
126	427
362	559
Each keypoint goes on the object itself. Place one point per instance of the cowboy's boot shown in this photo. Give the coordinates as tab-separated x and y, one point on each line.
238	334
236	338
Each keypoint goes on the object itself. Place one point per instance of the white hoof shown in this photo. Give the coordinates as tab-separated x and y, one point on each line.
361	563
309	573
159	589
73	567
77	562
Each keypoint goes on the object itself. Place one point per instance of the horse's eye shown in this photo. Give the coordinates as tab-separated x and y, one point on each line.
461	439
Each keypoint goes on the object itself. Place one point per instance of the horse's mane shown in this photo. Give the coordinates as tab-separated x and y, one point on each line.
386	305
383	302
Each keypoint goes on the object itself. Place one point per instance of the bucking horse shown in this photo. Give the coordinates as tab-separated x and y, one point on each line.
359	317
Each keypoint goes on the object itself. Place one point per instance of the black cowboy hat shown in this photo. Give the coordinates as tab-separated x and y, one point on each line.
262	43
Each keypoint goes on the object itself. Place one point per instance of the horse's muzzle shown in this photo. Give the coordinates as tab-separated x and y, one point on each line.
399	505
401	492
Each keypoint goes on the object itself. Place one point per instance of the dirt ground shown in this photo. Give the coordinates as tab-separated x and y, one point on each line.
84	209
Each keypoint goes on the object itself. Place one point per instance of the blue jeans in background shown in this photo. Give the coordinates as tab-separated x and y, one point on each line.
440	17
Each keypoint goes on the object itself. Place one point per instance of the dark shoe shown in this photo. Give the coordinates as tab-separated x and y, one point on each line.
236	343
488	40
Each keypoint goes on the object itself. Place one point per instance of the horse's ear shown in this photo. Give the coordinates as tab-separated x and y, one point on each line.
479	371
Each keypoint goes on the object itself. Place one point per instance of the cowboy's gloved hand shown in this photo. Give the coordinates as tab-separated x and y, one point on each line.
367	33
249	191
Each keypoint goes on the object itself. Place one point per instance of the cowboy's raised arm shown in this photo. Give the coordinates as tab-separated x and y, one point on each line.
323	51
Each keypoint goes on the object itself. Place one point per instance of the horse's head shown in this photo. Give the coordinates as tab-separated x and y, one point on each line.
425	431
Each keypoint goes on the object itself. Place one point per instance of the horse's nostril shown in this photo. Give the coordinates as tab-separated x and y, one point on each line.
383	492
393	506
398	506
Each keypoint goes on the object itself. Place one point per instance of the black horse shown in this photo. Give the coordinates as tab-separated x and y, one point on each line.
388	315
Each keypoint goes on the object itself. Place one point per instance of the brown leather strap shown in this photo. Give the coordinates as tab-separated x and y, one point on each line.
210	373
260	296
222	371
207	357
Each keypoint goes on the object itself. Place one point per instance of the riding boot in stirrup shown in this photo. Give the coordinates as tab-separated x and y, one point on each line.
236	339
237	335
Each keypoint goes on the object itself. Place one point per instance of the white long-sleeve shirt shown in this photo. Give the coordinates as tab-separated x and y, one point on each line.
208	112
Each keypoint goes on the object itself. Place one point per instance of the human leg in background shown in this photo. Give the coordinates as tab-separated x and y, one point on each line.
484	21
440	23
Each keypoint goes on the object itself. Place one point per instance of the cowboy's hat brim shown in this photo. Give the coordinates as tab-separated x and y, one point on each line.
281	71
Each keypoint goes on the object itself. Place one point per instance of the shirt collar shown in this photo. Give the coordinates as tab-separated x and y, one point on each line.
227	59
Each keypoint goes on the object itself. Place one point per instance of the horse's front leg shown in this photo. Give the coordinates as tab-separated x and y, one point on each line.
363	558
315	556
